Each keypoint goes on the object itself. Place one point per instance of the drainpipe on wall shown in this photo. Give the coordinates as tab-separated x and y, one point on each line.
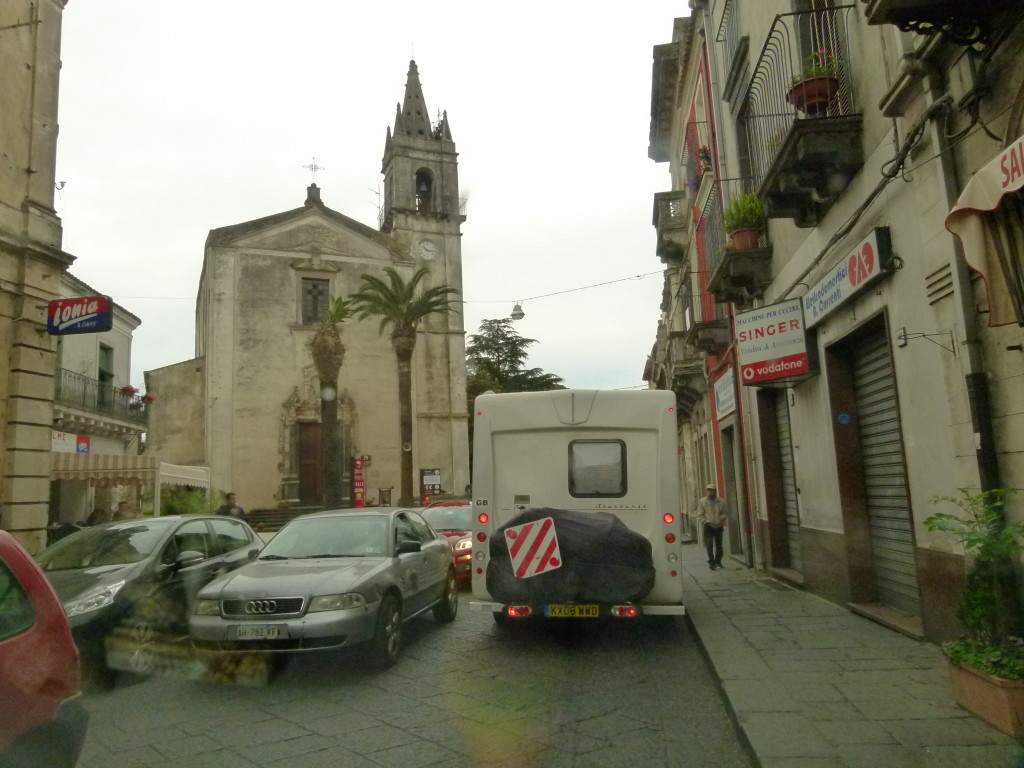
971	362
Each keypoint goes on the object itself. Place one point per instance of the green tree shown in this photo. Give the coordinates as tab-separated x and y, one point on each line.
496	360
402	305
328	353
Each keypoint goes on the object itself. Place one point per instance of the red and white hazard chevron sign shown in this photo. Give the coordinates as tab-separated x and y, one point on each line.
533	548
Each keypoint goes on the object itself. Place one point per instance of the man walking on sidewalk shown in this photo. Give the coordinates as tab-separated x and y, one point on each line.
711	512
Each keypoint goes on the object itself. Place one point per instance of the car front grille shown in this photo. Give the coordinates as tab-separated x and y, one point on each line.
262	607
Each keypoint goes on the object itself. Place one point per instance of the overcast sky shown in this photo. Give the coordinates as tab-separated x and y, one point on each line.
181	117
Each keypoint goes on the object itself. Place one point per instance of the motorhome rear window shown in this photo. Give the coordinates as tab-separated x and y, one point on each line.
597	468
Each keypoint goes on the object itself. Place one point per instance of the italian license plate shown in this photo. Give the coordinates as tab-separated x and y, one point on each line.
260	632
572	611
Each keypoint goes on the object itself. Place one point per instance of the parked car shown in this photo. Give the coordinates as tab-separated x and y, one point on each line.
127	586
454	520
332	580
43	721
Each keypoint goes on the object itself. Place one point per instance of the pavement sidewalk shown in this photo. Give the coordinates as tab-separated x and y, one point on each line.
813	685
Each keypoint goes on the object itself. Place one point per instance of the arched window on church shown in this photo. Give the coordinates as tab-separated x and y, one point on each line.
424	191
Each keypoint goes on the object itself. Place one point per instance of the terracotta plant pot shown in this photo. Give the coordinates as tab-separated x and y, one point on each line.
812	96
745	239
997	701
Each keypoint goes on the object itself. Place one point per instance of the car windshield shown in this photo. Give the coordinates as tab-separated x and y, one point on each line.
449	518
119	544
336	536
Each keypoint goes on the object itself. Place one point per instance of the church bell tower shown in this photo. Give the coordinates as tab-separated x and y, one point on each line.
422	212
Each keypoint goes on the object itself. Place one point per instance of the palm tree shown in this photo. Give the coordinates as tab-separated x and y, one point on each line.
328	355
402	305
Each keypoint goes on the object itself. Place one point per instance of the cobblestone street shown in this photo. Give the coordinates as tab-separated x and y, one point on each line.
462	695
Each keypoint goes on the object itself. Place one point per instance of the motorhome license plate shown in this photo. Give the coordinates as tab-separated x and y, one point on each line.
259	632
572	611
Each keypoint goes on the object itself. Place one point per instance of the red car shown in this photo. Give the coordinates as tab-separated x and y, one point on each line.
453	519
43	722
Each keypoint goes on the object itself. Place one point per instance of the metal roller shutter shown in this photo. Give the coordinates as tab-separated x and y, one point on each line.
892	541
788	481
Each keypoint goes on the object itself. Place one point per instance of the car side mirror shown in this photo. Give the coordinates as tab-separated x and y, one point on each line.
405	546
189	557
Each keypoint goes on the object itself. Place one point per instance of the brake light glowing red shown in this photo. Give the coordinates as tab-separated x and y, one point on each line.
669	518
624	611
483	518
518	611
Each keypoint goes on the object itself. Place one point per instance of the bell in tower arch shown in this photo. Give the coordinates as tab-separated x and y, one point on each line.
424	191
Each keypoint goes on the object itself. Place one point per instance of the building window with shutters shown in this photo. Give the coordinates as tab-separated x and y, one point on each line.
315	299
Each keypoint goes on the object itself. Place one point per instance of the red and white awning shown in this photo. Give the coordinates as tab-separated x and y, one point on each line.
987	219
105	469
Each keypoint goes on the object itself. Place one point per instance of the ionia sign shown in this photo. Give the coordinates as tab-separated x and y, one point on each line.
82	314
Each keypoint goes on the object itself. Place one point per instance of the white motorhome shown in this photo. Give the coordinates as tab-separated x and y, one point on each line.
596	452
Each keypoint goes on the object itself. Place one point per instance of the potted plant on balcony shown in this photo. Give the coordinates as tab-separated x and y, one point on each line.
703	160
744	221
817	84
986	665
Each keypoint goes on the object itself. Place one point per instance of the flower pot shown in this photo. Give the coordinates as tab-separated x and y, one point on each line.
812	96
997	701
745	239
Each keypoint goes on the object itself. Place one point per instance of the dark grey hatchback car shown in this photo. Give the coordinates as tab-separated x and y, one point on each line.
128	586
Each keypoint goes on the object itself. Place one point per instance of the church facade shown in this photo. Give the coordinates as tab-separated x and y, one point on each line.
248	404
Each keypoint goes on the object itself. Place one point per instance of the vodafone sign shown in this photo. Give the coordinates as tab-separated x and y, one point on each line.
869	260
771	343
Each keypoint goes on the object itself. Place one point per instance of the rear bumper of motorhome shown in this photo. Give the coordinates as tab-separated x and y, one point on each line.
538	610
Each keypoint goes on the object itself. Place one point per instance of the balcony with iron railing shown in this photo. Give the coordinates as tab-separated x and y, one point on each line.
94	399
705	322
696	160
969	23
800	118
735	274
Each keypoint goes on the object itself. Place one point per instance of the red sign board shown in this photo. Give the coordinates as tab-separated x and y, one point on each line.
358	482
771	342
81	314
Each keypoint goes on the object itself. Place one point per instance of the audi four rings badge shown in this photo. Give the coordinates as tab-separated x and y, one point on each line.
261	606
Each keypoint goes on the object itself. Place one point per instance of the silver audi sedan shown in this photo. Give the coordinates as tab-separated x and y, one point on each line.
332	580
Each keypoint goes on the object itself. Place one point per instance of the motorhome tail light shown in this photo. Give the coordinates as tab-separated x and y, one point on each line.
674	573
481	537
670	538
518	611
669	518
624	611
479	571
483	518
672	557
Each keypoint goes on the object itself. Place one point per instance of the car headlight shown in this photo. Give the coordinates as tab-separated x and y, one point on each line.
336	602
206	607
464	544
94	599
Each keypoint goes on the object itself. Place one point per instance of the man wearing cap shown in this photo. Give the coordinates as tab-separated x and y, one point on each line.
711	512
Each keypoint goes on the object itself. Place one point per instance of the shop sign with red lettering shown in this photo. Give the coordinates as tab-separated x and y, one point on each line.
533	548
871	259
771	342
358	482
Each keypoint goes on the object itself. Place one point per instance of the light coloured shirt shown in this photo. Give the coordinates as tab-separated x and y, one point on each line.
711	511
